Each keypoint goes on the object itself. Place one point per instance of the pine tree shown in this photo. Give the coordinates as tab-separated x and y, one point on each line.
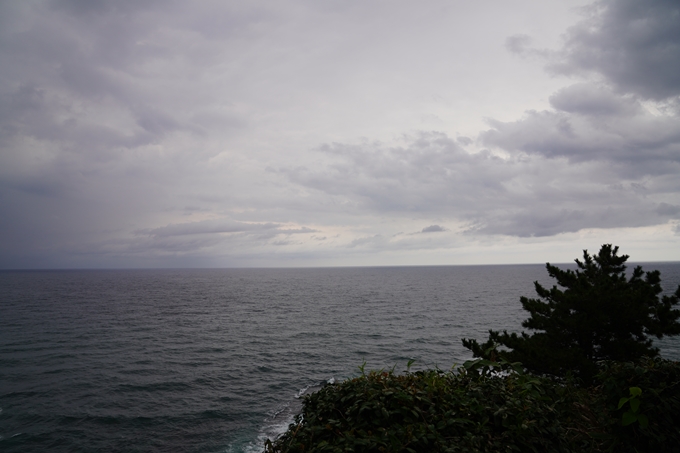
599	315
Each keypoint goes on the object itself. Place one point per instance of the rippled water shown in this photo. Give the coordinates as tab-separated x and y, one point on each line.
212	360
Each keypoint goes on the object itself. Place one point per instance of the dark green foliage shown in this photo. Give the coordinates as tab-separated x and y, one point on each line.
490	407
599	315
659	402
430	411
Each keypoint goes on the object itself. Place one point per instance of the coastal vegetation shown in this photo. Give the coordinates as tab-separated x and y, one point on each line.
587	380
601	314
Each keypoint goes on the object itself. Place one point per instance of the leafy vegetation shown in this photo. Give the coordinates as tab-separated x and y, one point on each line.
600	315
490	406
427	411
653	423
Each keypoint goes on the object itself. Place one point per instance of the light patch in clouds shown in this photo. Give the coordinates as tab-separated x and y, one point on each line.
207	227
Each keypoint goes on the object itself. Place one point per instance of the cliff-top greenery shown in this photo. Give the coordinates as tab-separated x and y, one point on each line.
587	379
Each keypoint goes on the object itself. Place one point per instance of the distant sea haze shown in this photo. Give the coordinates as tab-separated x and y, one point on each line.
214	360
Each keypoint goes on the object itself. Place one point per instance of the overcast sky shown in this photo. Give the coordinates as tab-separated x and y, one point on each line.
144	133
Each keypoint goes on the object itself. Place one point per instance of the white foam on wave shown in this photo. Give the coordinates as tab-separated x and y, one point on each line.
279	420
269	431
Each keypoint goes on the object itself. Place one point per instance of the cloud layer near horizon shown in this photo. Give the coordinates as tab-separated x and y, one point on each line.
149	133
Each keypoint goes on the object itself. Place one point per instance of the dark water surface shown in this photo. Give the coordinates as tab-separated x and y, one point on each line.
212	360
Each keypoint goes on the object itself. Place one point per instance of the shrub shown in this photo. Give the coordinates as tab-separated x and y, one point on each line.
659	401
473	410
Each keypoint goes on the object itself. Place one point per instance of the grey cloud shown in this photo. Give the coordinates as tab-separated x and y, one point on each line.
206	227
90	94
588	99
520	195
432	229
376	240
651	143
172	244
120	121
668	210
30	112
635	45
90	7
181	241
518	44
99	75
218	226
549	221
303	230
403	179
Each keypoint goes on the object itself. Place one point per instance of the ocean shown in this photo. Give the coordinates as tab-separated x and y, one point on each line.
215	360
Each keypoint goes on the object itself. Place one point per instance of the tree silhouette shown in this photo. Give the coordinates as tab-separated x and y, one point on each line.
599	315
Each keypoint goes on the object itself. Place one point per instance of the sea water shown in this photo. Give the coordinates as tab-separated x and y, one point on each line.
215	360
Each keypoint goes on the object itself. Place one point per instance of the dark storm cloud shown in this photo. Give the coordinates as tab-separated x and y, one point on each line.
634	44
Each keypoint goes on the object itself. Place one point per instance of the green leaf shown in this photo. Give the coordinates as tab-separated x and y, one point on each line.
635	391
517	366
628	418
623	401
634	404
642	419
471	364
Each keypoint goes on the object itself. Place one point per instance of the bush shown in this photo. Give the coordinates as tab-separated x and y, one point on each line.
490	407
473	410
659	403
